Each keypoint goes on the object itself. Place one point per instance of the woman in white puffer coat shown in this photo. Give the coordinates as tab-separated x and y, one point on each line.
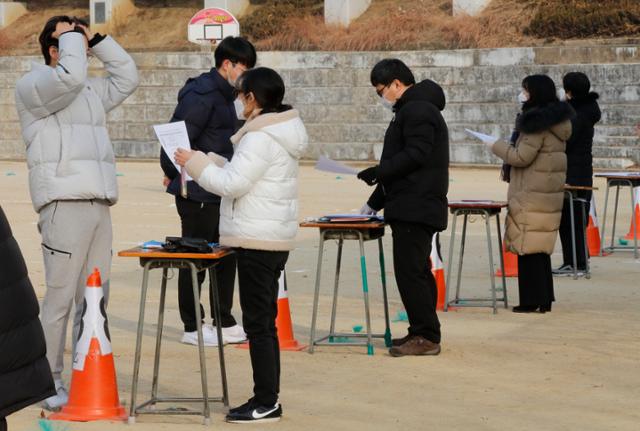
259	218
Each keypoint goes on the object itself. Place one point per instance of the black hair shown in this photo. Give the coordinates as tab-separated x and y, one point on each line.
266	86
542	91
236	50
389	69
46	38
579	85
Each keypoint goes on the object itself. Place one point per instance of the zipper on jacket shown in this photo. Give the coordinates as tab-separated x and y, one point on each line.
54	250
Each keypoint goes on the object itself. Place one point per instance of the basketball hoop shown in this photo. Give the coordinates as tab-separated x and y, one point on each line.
210	26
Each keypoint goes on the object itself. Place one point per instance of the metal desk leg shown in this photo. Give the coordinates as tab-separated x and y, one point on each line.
504	280
365	291
136	360
573	237
334	307
203	364
615	217
464	238
383	278
156	360
449	263
316	294
491	268
217	316
634	222
604	220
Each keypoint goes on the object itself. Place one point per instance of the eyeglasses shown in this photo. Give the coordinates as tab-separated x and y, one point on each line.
380	92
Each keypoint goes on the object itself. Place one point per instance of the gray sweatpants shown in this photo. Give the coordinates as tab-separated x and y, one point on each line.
76	237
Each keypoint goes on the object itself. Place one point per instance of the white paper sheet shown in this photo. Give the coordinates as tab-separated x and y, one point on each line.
173	136
328	165
484	138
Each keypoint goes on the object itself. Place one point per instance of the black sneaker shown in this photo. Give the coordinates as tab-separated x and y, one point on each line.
250	413
244	406
565	269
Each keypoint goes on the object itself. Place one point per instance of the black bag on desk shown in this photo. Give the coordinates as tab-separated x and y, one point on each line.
176	244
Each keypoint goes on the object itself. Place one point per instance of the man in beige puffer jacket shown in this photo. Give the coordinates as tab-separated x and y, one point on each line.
72	173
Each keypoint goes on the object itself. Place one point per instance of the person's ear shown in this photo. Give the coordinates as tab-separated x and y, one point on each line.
53	53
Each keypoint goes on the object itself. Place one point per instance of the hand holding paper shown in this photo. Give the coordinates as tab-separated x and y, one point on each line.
488	140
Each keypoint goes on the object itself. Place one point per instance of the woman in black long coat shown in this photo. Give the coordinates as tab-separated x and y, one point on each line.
25	376
579	166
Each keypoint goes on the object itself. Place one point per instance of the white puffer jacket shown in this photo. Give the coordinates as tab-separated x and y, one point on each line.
259	186
63	117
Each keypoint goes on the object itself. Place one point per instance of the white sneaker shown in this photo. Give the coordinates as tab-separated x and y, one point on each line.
56	402
209	336
234	334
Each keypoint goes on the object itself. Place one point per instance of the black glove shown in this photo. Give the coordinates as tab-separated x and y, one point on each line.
369	175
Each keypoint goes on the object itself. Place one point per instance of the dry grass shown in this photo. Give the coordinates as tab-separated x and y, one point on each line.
387	25
567	19
415	24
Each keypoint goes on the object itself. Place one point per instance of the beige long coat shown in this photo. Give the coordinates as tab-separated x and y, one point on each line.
538	173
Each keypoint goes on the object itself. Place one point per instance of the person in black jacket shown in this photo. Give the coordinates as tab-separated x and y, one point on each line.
206	105
25	376
577	88
412	181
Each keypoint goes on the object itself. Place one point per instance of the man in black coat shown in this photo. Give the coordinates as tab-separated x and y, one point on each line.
25	376
577	87
412	181
206	105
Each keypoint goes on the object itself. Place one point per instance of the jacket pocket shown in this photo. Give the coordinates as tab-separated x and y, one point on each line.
57	265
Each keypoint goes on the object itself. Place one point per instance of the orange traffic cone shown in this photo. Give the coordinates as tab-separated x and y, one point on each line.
593	231
284	326
283	321
636	205
94	391
437	269
510	263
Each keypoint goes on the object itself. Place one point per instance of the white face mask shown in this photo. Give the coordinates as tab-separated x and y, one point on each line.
522	97
239	109
384	102
562	95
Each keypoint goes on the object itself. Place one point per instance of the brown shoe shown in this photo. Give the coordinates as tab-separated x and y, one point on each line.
416	346
400	341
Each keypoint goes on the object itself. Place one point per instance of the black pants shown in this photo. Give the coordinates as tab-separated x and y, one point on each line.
258	275
417	286
580	225
535	280
201	220
3	424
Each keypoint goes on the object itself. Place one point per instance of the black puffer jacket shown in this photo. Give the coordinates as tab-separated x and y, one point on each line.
205	104
414	166
25	376
579	146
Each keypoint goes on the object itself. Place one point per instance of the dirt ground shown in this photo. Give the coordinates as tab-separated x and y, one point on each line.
576	368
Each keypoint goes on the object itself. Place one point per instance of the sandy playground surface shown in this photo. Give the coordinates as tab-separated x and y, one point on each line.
577	368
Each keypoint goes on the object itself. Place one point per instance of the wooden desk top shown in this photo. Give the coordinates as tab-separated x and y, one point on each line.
622	175
477	204
155	253
344	226
570	187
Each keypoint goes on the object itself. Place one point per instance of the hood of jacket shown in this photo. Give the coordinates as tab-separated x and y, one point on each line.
207	83
549	117
588	107
425	91
286	128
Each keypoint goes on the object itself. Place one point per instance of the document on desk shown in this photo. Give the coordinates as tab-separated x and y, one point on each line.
484	138
173	136
327	165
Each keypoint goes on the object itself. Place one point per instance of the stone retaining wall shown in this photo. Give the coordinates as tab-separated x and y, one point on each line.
341	111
